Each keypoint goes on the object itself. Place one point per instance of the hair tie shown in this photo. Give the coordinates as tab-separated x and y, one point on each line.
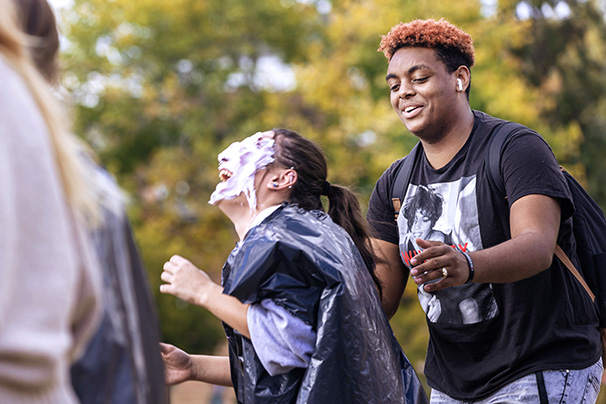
325	188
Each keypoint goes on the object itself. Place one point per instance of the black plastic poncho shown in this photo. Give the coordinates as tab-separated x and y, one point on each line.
309	266
122	363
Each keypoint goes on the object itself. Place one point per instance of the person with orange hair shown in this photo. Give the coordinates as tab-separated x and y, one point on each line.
514	325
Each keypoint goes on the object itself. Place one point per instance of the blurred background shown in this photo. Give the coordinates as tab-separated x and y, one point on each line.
160	87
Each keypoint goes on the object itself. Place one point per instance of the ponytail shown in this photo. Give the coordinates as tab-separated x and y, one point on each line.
344	210
307	159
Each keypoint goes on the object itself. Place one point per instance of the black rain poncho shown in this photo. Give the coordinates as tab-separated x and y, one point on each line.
308	265
122	363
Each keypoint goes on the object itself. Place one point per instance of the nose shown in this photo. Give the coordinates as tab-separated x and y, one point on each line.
405	90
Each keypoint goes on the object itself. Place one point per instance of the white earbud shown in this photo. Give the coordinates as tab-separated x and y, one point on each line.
459	84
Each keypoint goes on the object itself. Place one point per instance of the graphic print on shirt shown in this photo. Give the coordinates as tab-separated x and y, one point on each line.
446	212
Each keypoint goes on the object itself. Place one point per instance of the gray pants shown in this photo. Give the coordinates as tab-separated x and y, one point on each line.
563	387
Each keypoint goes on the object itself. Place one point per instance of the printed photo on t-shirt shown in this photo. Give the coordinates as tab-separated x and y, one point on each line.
446	212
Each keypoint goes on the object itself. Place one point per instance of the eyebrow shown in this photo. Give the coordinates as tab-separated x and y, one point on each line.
410	71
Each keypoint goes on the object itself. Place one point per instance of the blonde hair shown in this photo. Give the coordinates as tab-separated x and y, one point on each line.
77	175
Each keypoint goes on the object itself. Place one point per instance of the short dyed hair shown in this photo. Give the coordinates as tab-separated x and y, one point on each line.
453	46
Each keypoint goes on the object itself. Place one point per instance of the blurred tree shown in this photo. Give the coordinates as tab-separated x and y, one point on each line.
564	58
162	87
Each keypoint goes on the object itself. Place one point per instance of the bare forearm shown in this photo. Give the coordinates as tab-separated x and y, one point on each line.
227	309
534	224
516	259
185	281
392	274
211	369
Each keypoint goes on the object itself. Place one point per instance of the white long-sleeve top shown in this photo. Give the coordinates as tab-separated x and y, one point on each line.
49	283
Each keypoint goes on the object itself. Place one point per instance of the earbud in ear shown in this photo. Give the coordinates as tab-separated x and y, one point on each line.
459	85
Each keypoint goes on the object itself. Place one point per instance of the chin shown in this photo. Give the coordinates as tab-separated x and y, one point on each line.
413	128
230	202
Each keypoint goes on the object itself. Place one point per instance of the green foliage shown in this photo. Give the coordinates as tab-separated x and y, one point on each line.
161	87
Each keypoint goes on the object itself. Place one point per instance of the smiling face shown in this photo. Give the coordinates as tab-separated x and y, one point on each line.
238	165
422	225
422	92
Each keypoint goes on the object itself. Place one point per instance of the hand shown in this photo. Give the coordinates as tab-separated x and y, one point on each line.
428	264
185	281
178	365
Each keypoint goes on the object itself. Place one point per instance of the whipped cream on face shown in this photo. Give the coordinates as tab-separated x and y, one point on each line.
238	165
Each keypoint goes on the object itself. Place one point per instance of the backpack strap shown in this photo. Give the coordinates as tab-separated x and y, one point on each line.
493	157
575	272
403	175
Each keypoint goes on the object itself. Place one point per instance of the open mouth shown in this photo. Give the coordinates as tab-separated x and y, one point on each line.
411	108
225	174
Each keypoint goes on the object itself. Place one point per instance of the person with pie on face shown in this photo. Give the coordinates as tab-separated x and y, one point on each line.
513	325
299	299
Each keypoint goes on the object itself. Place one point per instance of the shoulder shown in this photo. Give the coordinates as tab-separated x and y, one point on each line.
288	225
380	213
529	166
8	73
22	122
518	140
380	198
13	92
303	239
501	139
486	123
384	186
310	231
483	118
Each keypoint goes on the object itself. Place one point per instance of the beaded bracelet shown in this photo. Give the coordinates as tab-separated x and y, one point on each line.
470	264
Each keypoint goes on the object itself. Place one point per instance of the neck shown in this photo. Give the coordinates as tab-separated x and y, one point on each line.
440	152
242	217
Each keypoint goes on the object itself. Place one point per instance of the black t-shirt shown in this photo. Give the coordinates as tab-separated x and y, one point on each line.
483	336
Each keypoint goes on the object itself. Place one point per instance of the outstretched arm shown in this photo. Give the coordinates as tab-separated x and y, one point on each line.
185	281
391	272
179	366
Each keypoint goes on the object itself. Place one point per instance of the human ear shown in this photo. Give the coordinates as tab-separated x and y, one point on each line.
284	178
463	77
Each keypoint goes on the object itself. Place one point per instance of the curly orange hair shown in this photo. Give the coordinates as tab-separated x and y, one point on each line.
453	45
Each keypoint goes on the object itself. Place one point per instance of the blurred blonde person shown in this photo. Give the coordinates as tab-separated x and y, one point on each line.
50	284
121	363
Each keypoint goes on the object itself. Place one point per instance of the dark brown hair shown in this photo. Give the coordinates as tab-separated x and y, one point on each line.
38	21
426	201
308	160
